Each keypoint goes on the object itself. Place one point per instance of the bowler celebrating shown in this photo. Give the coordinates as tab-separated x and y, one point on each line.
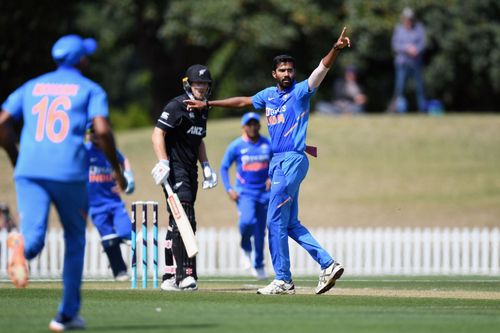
287	108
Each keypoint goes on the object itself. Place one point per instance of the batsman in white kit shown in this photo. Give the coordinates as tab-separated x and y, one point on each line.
178	145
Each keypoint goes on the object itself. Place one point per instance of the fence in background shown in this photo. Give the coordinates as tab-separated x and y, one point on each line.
368	251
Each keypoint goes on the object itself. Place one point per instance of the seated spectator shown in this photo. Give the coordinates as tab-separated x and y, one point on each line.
348	98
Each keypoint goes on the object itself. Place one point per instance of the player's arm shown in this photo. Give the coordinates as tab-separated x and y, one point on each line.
158	140
209	175
232	102
104	136
226	163
128	174
8	137
320	72
161	170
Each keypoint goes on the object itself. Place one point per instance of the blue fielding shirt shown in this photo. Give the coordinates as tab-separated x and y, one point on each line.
55	108
102	187
252	166
287	114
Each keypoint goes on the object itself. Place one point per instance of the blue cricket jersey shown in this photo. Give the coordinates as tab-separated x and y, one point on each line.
102	187
287	113
252	166
55	108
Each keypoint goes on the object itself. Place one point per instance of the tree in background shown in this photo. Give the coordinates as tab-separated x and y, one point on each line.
146	46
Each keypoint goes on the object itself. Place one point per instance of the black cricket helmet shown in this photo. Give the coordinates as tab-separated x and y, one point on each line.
197	73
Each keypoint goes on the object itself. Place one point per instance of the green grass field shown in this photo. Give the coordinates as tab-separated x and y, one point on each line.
383	304
372	171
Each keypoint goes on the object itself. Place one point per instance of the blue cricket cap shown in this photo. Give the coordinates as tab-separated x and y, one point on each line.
70	48
249	116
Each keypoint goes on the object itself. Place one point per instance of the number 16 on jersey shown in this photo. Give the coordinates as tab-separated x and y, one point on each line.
182	221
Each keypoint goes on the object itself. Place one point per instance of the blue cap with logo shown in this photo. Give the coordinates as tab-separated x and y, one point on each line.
249	116
70	48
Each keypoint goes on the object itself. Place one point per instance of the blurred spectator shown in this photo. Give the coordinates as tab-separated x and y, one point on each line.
348	97
408	43
6	221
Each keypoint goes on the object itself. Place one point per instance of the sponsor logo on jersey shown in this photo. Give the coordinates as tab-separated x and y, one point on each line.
195	130
165	115
244	151
276	116
254	162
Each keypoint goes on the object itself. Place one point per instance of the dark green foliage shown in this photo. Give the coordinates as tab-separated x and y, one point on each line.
146	45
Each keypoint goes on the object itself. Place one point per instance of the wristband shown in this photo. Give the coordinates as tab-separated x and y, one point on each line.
208	105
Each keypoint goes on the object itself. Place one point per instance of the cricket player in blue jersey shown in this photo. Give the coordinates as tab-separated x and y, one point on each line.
51	165
251	153
287	107
106	208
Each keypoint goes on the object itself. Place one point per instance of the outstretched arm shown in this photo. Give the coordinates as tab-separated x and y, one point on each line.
232	102
320	72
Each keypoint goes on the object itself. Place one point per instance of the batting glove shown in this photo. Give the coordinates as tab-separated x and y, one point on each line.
129	176
160	172
209	176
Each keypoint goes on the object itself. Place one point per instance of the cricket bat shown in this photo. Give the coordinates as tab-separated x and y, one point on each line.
182	221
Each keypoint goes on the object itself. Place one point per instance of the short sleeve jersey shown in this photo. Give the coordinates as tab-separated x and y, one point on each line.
184	132
252	164
102	187
287	113
55	108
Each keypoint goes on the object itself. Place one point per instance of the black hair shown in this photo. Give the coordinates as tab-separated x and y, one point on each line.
281	59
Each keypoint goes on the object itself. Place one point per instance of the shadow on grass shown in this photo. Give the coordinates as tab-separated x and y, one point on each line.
145	327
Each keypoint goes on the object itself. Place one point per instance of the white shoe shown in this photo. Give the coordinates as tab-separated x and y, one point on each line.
278	287
188	284
246	260
328	277
259	273
122	276
169	285
77	323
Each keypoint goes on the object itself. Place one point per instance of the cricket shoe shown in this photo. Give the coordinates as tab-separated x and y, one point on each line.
328	277
60	324
278	287
18	266
188	284
169	285
122	276
246	260
259	273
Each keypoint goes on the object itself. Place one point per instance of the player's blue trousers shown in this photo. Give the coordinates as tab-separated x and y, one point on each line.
252	223
287	170
111	220
34	197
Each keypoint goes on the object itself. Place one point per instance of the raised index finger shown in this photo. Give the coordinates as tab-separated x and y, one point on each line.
343	31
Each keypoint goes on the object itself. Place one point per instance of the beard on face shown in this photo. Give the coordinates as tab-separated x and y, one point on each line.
286	82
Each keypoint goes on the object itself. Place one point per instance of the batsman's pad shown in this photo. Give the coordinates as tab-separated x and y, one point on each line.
182	222
169	256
